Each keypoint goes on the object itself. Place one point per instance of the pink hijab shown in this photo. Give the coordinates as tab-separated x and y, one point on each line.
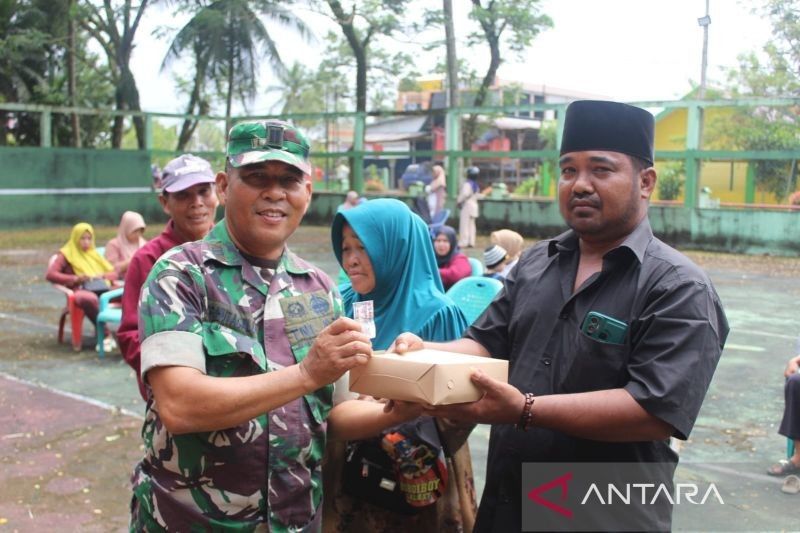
131	221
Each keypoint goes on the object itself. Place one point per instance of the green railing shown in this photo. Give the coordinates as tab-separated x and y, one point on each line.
692	156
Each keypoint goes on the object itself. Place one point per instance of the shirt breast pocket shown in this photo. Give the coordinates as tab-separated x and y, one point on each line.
595	365
223	343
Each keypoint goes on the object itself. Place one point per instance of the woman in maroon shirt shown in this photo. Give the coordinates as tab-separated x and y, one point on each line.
453	265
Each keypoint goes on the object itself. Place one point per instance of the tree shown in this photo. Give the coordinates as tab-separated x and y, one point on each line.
775	74
23	36
361	24
33	69
114	29
228	41
512	24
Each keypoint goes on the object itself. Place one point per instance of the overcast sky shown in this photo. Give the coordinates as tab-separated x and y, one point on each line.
627	50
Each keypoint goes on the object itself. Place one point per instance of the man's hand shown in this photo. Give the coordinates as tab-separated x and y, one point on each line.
792	366
406	342
501	403
338	348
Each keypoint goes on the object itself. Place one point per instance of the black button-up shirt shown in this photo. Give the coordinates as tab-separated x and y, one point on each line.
675	334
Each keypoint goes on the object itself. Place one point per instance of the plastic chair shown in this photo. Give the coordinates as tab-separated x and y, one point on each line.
74	312
477	266
438	220
108	314
473	295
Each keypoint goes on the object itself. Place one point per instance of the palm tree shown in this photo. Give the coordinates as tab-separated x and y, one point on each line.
226	38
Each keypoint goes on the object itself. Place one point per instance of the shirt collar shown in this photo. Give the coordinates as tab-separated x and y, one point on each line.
636	241
221	248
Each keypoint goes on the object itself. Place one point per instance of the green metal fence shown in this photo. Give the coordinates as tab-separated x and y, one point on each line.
351	127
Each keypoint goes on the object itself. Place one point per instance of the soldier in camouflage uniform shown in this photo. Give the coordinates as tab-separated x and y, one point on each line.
241	340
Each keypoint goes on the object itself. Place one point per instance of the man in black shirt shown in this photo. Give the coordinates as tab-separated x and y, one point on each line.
612	336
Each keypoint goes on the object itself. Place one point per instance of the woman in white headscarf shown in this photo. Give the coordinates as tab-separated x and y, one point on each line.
121	248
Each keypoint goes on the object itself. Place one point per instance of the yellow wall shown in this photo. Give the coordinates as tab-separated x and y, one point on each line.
726	183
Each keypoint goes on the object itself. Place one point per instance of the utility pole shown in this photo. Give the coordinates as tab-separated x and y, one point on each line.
697	142
704	22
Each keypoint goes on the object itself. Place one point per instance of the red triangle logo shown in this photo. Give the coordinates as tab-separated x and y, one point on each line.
535	495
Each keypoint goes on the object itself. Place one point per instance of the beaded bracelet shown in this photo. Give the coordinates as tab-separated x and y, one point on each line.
526	417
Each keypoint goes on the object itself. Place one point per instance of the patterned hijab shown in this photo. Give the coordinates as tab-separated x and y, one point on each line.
88	263
408	289
131	221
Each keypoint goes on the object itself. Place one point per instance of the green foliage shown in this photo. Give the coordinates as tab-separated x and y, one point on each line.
670	180
164	137
775	73
229	42
33	50
363	24
515	23
529	187
505	25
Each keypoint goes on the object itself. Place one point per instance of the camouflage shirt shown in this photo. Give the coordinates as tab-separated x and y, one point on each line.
206	306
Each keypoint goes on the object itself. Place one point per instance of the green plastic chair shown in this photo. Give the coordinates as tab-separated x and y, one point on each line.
108	315
473	295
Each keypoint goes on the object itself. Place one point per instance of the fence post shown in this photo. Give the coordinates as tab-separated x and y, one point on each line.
692	165
452	138
148	132
358	152
45	129
750	183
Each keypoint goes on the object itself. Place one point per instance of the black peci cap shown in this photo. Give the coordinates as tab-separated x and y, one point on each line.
608	126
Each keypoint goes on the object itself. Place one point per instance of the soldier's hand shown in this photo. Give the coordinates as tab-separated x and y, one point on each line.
406	342
338	348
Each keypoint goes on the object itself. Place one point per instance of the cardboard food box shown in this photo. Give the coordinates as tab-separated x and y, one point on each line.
430	376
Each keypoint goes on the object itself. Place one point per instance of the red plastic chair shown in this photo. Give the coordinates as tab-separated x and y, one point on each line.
75	314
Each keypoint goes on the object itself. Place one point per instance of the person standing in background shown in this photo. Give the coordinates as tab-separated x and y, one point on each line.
437	190
467	202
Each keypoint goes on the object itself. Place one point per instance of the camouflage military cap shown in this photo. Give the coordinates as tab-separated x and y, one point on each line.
268	140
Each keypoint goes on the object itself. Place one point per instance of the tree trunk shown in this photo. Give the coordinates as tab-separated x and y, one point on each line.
452	61
488	80
71	86
189	125
359	49
229	96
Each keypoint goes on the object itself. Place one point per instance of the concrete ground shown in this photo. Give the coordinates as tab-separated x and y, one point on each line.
69	421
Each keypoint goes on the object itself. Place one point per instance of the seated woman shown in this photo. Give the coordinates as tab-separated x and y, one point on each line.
790	425
121	248
78	262
453	265
385	250
512	242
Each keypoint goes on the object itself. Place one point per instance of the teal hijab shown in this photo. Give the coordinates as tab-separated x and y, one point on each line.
408	293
